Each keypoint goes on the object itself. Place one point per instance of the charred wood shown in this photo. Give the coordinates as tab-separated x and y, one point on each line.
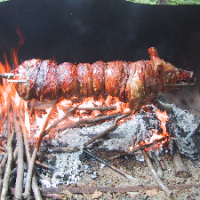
107	131
85	121
180	170
46	156
63	149
162	163
44	165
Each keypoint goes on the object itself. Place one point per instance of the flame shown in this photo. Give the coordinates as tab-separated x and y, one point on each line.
163	117
159	138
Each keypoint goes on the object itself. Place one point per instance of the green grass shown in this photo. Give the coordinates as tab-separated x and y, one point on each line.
171	2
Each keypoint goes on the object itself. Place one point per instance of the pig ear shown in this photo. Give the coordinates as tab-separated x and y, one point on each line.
152	53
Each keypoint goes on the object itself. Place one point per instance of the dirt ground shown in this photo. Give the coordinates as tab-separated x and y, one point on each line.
100	175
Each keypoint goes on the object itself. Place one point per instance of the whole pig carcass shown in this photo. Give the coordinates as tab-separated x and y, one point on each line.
137	82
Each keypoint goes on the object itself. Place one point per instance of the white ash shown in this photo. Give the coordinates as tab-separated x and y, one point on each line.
187	124
69	168
185	120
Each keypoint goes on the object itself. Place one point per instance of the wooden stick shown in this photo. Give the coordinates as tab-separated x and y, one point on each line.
43	165
32	161
101	108
42	134
107	131
158	180
85	121
68	149
2	166
35	187
20	161
158	166
17	81
135	148
180	170
2	149
8	167
163	165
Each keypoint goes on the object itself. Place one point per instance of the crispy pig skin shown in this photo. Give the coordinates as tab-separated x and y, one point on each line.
137	82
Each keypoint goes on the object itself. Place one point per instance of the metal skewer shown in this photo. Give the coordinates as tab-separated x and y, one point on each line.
17	81
108	165
7	75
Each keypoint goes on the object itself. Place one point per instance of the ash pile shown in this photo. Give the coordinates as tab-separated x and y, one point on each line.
181	126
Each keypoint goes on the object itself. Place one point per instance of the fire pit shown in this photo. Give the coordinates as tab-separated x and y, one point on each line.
60	136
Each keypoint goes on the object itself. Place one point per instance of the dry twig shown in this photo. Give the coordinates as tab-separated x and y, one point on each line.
158	180
2	149
158	166
135	148
42	134
85	121
8	167
20	161
107	131
35	187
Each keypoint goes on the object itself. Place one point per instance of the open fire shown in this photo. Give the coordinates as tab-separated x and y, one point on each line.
140	126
